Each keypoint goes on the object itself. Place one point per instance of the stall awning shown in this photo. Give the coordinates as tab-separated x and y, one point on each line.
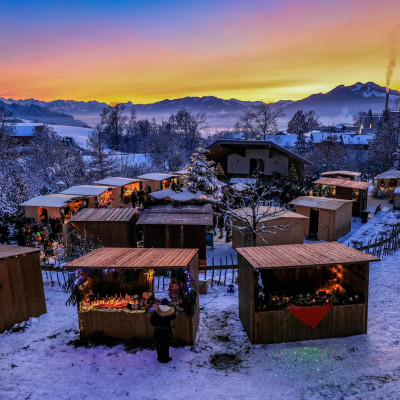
116	181
134	258
303	255
86	190
51	200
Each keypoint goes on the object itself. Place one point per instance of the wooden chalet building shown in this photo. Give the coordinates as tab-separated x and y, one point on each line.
241	157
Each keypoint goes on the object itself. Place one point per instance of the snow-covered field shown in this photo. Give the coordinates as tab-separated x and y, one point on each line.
40	363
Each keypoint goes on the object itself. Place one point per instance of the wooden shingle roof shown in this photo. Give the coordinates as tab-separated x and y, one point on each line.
319	202
343	183
110	257
302	255
7	251
104	215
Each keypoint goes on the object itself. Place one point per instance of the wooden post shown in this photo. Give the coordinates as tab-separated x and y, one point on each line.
226	270
220	271
58	279
212	276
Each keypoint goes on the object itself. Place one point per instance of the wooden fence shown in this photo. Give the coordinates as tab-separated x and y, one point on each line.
384	246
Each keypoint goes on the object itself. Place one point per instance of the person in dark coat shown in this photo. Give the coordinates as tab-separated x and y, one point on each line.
134	198
221	223
21	237
161	320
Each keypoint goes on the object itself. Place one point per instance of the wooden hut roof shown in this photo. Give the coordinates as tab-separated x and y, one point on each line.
104	215
86	190
183	195
319	202
391	174
7	251
116	181
170	215
51	200
302	255
343	183
109	257
270	213
157	176
341	173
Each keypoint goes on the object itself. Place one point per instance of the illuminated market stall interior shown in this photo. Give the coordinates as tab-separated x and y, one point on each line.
98	196
115	292
123	188
303	291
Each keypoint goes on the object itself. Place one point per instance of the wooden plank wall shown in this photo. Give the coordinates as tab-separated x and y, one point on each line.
282	326
110	234
292	234
306	212
21	293
343	220
246	296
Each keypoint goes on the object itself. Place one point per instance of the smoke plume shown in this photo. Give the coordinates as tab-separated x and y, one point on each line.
390	68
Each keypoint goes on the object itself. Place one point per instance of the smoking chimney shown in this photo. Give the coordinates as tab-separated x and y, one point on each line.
387	99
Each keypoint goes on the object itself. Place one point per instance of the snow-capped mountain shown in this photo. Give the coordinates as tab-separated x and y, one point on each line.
339	105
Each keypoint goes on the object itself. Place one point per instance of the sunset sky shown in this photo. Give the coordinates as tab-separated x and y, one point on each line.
150	50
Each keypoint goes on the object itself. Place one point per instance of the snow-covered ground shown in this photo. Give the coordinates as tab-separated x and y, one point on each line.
39	362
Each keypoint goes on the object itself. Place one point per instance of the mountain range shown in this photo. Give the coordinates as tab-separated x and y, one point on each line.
335	106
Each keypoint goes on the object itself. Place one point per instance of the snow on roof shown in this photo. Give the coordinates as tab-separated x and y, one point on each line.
341	173
116	181
86	190
319	202
181	172
184	195
248	181
392	173
357	139
321	136
51	200
283	140
156	176
21	130
397	190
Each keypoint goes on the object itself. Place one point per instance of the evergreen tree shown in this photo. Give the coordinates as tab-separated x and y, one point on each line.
201	175
300	144
310	143
101	163
292	174
382	151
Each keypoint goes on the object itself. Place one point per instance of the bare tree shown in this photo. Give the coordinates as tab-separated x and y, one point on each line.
260	119
114	121
252	212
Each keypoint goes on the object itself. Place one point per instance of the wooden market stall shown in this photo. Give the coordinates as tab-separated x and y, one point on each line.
356	191
21	285
53	206
279	226
386	182
329	219
177	227
348	175
110	227
159	181
98	196
300	292
123	188
116	292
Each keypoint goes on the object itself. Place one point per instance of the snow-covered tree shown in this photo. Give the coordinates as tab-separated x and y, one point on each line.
200	173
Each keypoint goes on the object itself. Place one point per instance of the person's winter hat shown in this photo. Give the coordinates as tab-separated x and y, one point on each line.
165	302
